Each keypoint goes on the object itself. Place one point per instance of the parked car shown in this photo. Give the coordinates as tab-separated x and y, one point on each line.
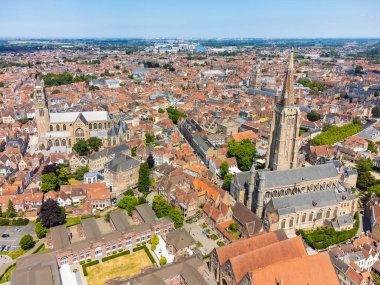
5	235
2	247
7	248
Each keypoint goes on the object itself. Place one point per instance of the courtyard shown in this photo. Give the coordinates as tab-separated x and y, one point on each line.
124	266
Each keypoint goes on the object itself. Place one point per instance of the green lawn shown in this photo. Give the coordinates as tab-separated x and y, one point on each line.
7	275
40	249
14	254
72	221
73	181
124	266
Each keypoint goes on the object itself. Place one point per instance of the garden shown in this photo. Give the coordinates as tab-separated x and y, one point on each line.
324	237
121	265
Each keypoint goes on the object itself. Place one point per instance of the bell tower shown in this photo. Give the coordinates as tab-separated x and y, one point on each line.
283	145
255	78
41	109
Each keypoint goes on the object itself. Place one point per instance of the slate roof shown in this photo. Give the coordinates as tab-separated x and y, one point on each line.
304	201
122	163
72	116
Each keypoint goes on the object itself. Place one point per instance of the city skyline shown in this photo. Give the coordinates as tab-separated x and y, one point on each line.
168	19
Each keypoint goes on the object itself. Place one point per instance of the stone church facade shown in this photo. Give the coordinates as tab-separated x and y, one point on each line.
282	176
58	132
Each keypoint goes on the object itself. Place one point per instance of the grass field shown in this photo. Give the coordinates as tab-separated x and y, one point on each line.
124	266
73	181
72	221
7	275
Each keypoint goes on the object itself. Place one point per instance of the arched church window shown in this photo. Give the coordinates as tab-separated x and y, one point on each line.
56	143
90	126
283	224
64	127
51	128
63	142
58	128
79	134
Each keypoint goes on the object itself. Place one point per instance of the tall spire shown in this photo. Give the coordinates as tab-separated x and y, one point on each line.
287	96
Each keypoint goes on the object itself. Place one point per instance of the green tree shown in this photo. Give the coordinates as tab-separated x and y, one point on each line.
223	169
144	181
227	181
129	203
133	151
175	115
376	112
333	134
94	143
11	212
366	180
49	182
364	165
161	111
177	216
233	227
163	260
154	240
313	116
40	230
26	242
80	171
372	147
81	148
150	138
244	152
63	176
160	206
356	121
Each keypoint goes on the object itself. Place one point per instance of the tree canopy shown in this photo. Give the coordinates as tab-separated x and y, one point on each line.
51	214
313	116
129	202
49	182
26	242
315	86
244	152
163	209
335	134
376	112
144	180
94	143
150	161
40	230
175	115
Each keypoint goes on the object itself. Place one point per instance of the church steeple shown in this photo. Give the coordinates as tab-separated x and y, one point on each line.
287	96
255	78
283	144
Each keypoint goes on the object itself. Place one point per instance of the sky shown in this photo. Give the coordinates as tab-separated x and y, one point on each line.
189	19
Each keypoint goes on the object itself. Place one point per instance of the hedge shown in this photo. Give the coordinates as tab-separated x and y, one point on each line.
146	251
324	237
84	266
115	255
14	222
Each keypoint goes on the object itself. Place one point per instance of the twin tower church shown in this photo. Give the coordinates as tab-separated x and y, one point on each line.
283	187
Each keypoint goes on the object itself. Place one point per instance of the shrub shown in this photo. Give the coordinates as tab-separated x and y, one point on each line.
149	255
220	243
324	237
26	242
163	260
214	237
115	255
84	266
